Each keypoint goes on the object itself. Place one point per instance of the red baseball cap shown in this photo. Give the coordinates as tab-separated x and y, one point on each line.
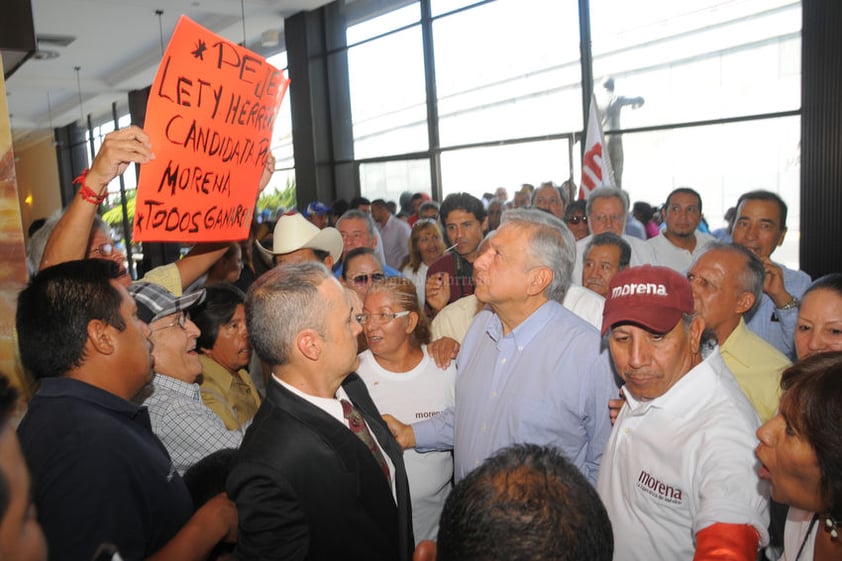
652	297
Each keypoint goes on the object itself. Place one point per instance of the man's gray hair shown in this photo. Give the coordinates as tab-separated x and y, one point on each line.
38	242
560	189
359	214
607	192
282	303
610	238
751	276
551	244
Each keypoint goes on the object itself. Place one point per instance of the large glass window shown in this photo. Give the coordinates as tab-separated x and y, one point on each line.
721	162
657	62
387	180
282	136
695	60
482	170
508	69
398	16
388	97
99	132
509	96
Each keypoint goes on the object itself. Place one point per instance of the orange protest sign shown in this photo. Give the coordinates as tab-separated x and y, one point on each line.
210	115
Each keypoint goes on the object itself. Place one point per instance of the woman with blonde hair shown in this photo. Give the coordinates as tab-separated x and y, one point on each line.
425	247
405	382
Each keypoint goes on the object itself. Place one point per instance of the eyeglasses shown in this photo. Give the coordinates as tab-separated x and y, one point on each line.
363	279
181	321
380	319
576	219
608	218
105	249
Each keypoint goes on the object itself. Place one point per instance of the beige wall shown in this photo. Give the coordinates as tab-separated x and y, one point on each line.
37	172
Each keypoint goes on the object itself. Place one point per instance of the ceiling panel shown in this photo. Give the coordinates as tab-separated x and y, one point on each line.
117	46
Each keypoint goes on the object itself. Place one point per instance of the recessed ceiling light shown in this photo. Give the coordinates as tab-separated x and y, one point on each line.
44	54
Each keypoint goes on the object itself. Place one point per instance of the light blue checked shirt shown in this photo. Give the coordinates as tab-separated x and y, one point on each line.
188	429
547	382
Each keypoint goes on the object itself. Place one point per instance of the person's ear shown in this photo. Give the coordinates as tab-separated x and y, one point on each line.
781	239
309	344
744	302
539	279
697	327
328	262
412	323
101	337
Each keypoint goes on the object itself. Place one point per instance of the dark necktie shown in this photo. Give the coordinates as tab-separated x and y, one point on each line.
359	428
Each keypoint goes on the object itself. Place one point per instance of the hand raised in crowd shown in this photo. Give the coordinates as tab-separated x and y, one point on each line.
443	350
404	434
119	149
268	171
773	283
437	291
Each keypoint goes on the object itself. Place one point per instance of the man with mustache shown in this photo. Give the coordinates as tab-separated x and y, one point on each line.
677	477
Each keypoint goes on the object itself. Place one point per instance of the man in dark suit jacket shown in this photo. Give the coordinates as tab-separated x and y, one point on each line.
306	487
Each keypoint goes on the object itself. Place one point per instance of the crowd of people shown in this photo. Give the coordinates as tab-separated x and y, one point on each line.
470	379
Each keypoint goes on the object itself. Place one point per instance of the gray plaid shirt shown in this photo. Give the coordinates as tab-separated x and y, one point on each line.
189	430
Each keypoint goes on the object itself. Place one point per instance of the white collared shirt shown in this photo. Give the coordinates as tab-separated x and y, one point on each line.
667	254
680	463
333	407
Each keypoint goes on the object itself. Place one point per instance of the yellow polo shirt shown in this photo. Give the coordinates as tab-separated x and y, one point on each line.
757	366
233	398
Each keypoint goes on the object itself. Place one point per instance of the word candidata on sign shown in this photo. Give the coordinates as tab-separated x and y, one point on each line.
210	115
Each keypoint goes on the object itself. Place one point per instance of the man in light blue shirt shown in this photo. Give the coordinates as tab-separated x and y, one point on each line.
530	371
760	227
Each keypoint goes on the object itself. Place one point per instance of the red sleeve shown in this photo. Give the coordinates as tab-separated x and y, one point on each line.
727	542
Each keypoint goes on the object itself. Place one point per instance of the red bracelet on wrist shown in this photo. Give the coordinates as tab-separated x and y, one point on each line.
86	192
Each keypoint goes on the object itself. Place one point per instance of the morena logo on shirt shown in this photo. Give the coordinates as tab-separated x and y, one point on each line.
658	489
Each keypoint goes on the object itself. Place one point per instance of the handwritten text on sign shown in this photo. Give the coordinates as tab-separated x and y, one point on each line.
210	115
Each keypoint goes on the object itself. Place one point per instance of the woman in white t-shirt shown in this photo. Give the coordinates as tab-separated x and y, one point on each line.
405	382
801	452
425	247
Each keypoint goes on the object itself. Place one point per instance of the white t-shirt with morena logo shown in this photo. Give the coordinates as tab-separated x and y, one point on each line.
413	396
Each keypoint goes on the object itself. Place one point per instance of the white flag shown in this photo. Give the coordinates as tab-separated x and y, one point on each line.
596	164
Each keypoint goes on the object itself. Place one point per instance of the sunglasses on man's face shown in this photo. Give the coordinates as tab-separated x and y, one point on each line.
576	219
363	279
